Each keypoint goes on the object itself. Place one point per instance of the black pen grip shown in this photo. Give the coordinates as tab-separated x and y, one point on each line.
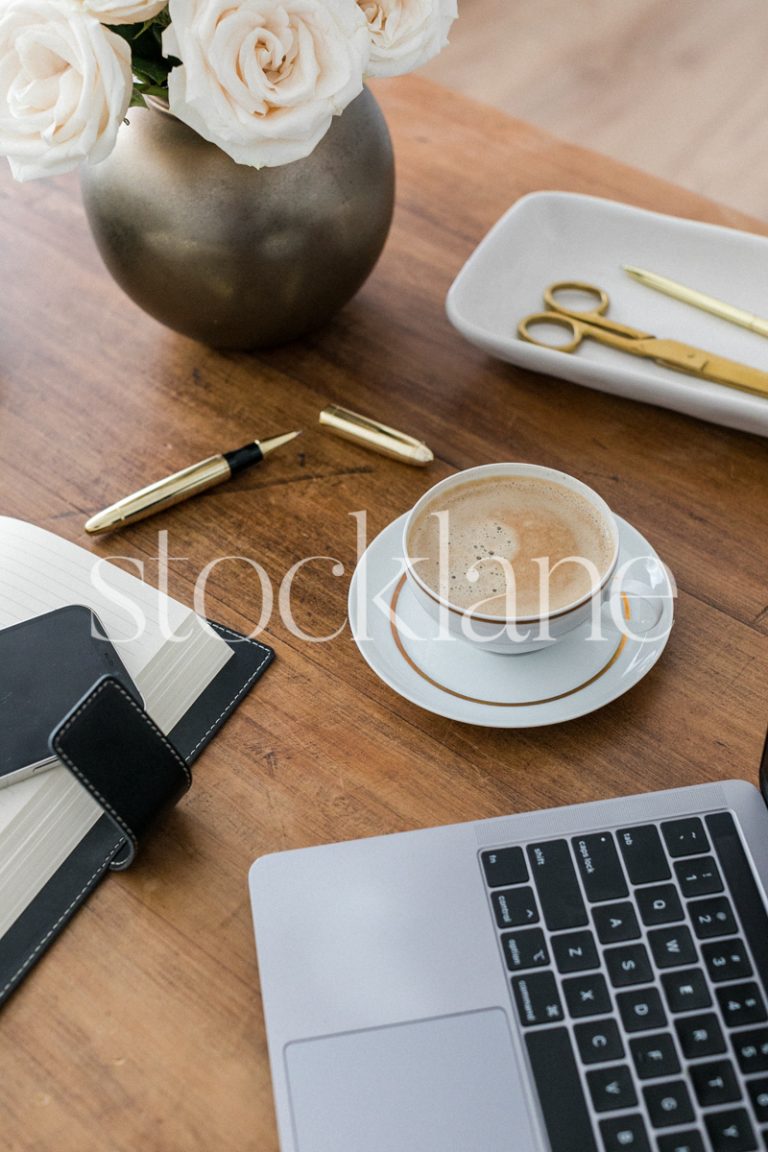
244	457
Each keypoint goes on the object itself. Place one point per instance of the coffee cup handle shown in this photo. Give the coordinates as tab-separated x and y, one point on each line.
637	605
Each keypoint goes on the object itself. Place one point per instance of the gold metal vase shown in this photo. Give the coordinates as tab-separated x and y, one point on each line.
239	257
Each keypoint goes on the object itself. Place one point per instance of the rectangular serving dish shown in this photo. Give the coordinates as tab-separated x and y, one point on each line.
550	236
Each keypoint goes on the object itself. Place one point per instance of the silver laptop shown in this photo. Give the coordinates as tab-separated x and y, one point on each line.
585	979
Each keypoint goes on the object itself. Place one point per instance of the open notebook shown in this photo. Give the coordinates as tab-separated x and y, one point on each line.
190	678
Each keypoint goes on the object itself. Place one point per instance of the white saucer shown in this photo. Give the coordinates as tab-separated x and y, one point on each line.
450	677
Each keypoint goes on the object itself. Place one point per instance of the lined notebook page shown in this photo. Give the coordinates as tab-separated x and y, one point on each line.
57	814
40	572
170	653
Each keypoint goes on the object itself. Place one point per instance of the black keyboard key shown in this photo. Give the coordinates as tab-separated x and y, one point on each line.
726	960
672	946
688	1141
668	1103
643	854
525	948
587	995
700	1035
628	965
746	895
758	1090
752	1050
625	1132
659	905
575	952
698	877
741	1004
758	1094
641	1009
686	990
616	922
515	906
654	1056
537	999
715	1083
561	1095
712	917
504	866
600	867
611	1088
599	1040
731	1131
555	878
685	837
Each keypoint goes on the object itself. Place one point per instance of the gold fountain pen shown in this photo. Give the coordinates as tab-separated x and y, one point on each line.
173	489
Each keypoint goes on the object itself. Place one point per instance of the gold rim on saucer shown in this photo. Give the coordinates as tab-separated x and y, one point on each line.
497	703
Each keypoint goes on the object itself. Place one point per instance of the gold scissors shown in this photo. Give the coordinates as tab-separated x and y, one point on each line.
591	323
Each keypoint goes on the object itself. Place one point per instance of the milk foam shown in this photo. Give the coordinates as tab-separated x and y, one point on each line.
510	540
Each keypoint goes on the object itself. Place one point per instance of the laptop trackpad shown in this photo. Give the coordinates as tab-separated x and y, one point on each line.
445	1083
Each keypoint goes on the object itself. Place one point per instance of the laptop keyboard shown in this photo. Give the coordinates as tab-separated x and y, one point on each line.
638	962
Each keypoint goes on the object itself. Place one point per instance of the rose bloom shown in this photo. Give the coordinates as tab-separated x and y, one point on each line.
65	86
113	12
406	33
263	79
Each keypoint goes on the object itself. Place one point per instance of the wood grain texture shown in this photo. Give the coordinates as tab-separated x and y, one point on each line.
677	87
142	1026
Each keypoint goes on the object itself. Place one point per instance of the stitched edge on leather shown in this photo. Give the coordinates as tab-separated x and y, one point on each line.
64	916
117	687
105	864
63	755
238	636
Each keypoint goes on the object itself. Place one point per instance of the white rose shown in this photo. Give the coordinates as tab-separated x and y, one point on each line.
262	79
65	86
406	33
114	12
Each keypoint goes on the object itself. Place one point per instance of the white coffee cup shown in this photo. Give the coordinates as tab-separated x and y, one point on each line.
510	634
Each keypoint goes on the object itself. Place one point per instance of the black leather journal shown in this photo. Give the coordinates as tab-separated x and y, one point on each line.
133	772
47	663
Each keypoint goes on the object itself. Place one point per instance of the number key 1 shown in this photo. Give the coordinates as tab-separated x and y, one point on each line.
698	877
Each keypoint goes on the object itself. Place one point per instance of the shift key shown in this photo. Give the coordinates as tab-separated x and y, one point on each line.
554	875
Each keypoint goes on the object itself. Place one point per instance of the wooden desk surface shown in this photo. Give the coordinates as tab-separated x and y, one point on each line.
142	1026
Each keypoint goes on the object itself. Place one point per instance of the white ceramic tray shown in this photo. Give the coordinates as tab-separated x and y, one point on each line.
549	236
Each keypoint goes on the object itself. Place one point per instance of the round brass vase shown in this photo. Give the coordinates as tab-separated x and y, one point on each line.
240	257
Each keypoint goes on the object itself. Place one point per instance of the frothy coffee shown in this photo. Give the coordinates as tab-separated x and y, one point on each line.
510	544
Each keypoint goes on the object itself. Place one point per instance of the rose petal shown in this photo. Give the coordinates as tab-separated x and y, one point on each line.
115	12
65	86
405	34
264	78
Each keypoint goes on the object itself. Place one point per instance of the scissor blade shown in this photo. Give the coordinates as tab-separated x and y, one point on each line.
697	362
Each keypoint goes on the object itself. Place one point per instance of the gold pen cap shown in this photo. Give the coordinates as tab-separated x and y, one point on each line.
379	437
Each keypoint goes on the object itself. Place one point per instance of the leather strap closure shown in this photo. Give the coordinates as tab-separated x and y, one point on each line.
120	755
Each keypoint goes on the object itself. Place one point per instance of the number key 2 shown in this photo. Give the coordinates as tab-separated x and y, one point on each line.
712	917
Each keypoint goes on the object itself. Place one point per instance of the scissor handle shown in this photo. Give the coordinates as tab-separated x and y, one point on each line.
557	318
594	293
